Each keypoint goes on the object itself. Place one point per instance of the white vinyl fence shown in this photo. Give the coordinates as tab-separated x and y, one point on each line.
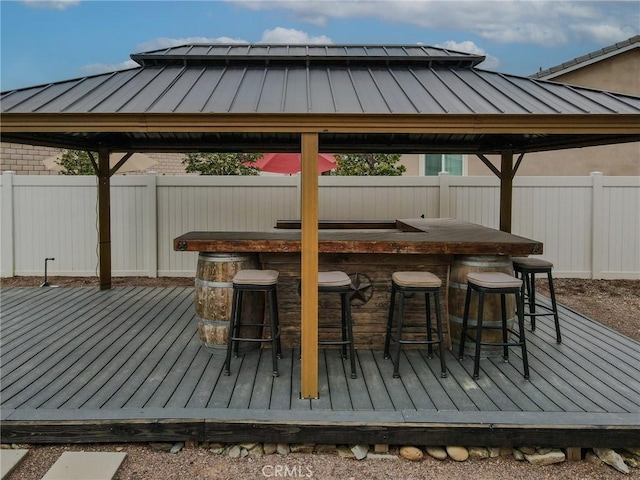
590	226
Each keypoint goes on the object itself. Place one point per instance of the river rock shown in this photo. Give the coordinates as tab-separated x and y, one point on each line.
176	447
360	451
554	456
302	447
438	453
613	458
270	448
235	451
283	449
478	453
527	450
345	452
325	448
216	448
161	446
630	460
459	454
633	450
517	454
257	451
413	454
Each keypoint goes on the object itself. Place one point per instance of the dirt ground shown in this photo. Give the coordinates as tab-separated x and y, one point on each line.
615	303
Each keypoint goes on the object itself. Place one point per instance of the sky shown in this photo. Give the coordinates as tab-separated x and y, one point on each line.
48	41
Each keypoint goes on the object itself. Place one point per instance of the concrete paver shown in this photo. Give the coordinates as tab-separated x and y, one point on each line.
85	466
9	459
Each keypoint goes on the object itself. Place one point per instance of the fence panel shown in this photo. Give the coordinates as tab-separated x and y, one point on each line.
377	198
589	225
54	217
558	212
221	204
621	228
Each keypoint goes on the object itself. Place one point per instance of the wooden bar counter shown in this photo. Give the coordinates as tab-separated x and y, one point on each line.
369	256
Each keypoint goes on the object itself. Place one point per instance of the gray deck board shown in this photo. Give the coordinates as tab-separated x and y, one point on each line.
135	351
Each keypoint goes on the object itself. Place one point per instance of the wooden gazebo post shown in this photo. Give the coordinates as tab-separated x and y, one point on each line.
104	218
506	190
309	261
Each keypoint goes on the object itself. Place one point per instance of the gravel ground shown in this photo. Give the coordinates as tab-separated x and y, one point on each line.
142	463
615	303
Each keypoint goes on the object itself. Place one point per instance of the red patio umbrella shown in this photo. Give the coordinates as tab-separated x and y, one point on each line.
290	162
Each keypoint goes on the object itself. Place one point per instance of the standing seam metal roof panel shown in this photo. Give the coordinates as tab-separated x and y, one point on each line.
322	100
316	89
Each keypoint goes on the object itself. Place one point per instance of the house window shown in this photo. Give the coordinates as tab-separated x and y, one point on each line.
434	164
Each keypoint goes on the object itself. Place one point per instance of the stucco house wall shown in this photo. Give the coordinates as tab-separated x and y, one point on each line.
615	72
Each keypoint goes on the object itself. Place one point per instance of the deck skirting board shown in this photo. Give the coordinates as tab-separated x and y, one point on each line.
555	429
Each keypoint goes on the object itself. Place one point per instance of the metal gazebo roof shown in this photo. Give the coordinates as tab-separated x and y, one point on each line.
360	98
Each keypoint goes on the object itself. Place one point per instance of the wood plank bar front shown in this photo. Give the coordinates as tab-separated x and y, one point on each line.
309	274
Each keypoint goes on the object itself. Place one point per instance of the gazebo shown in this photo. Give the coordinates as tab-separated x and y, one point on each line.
312	99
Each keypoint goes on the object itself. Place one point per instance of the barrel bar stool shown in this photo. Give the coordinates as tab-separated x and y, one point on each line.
339	282
254	281
494	283
526	269
414	282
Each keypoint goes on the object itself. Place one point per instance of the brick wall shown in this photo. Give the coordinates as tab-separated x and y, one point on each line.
27	160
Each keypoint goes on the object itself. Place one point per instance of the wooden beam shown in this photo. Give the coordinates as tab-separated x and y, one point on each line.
488	163
309	241
122	161
476	123
517	166
506	190
104	218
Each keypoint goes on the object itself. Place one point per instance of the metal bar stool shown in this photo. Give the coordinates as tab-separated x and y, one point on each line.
526	269
254	281
339	282
408	283
494	283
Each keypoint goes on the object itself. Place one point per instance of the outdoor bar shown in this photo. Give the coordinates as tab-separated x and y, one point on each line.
369	252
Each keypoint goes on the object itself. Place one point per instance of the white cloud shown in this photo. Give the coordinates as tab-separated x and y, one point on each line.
56	4
541	22
467	46
165	42
603	34
96	68
291	35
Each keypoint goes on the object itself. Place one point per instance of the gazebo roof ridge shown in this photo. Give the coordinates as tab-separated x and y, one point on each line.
267	53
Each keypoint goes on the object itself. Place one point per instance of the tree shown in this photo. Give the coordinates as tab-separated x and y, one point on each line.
76	162
221	163
369	164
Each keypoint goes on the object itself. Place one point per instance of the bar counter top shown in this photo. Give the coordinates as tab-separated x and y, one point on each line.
435	236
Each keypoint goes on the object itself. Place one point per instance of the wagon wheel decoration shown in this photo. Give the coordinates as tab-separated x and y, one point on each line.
361	288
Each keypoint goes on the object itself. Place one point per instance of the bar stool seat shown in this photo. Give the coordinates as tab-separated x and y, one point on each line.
494	283
339	282
249	280
408	283
526	268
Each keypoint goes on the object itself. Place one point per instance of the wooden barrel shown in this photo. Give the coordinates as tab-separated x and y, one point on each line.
213	298
463	265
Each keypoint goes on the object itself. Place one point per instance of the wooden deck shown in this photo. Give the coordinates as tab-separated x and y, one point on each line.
83	365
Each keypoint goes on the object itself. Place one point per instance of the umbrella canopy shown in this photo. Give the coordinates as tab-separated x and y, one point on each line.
290	162
136	163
